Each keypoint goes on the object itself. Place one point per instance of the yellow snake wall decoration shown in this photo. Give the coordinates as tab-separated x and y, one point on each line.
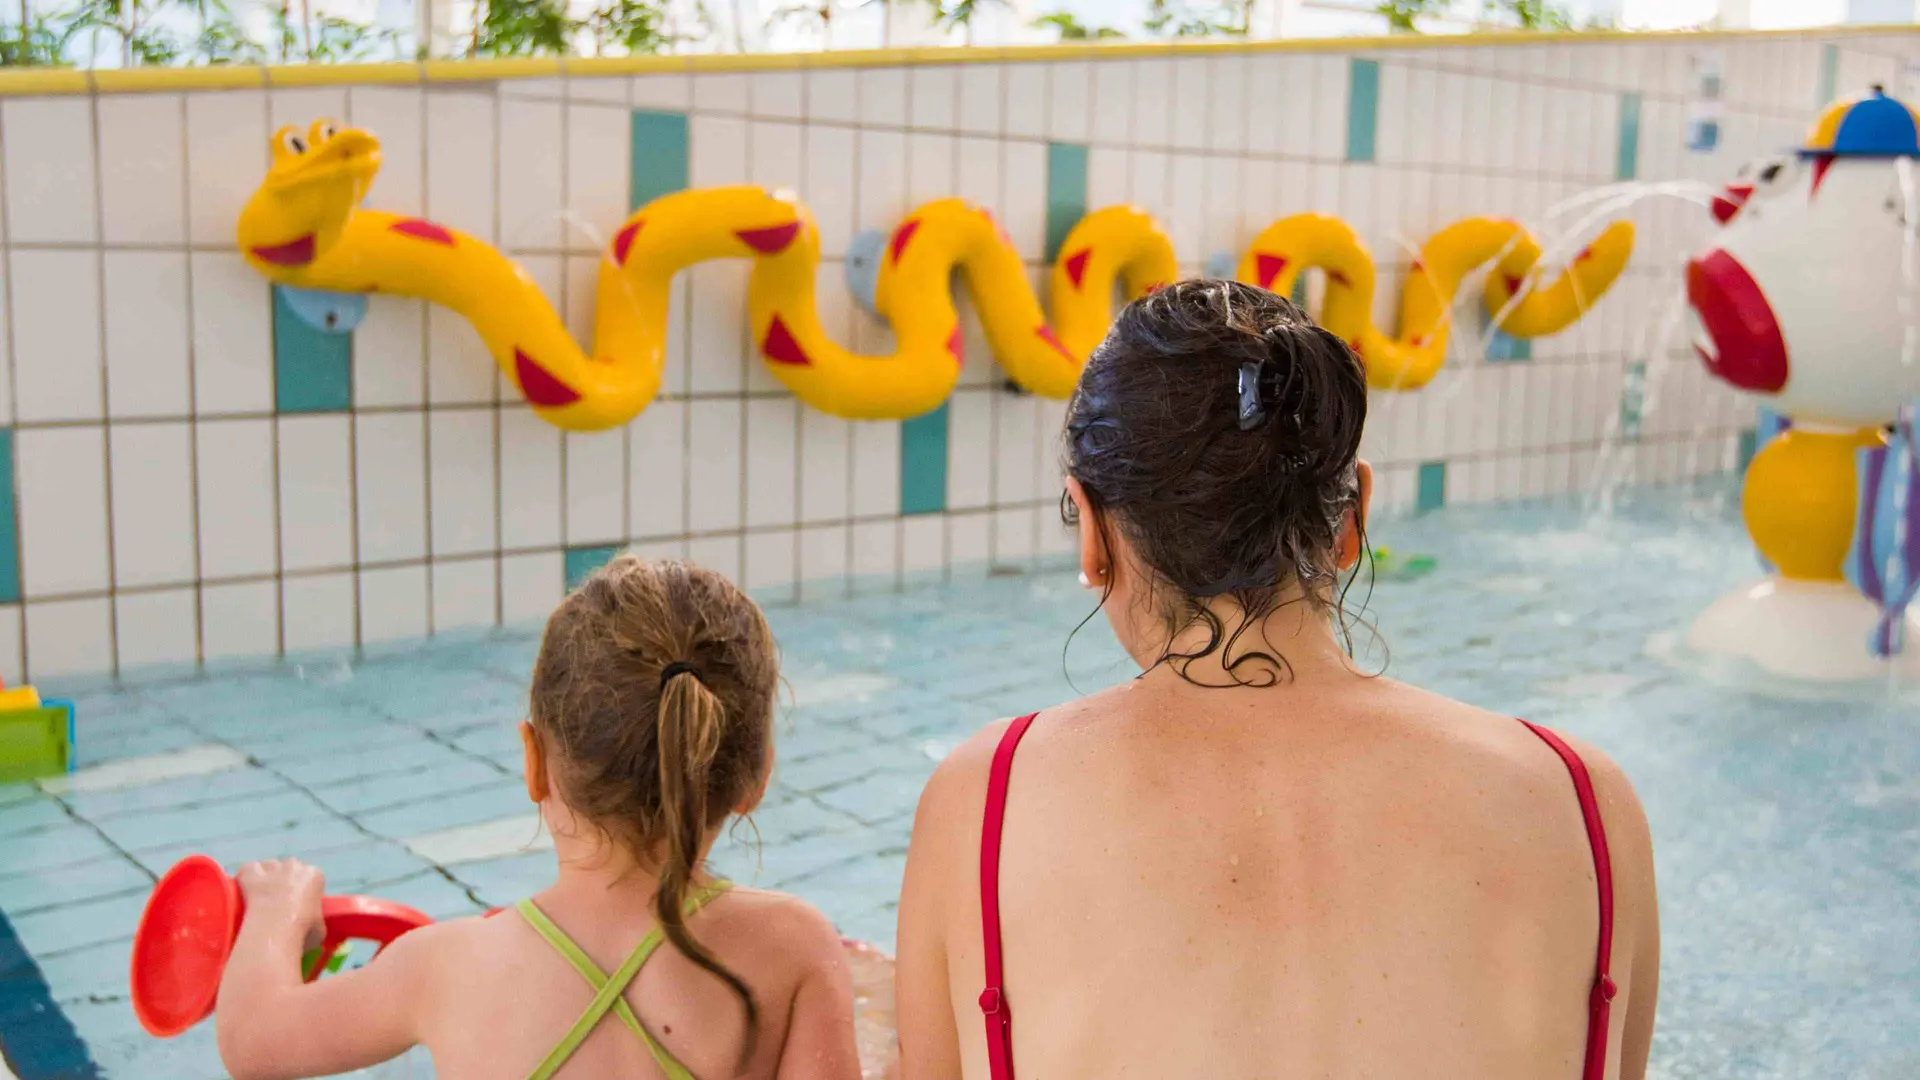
305	228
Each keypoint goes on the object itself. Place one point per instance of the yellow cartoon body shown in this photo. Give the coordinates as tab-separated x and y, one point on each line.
305	228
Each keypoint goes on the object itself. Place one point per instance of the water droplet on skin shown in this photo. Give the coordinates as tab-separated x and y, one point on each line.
1233	860
1259	811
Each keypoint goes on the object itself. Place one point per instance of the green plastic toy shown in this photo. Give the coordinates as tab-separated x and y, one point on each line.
36	742
1388	566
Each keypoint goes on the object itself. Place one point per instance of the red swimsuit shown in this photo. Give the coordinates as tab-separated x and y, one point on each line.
993	1000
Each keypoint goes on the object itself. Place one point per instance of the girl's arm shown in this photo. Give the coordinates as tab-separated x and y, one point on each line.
272	1026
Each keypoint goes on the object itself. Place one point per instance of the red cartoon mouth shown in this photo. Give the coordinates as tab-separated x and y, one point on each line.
1744	345
1730	202
292	253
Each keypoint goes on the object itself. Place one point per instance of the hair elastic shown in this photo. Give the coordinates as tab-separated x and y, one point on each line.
678	667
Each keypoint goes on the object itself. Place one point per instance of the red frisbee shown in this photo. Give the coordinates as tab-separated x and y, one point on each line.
181	946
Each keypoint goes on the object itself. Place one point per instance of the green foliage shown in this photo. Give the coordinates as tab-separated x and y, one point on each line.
42	42
1532	14
523	28
1401	13
221	39
1198	18
633	25
1072	29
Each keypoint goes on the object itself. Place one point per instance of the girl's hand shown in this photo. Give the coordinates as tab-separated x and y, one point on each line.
285	888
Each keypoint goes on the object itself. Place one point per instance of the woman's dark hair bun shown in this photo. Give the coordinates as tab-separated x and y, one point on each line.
1218	427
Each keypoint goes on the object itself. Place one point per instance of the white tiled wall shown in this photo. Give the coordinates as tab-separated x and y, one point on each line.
168	515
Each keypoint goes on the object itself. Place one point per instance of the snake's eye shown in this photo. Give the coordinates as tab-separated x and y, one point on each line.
293	143
326	131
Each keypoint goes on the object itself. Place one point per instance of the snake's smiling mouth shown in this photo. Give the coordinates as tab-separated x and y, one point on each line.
297	252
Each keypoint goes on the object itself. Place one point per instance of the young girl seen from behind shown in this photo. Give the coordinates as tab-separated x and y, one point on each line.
651	727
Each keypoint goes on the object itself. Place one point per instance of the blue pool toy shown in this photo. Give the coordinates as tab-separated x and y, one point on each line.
1885	555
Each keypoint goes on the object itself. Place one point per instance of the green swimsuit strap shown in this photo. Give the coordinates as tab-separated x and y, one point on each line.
608	991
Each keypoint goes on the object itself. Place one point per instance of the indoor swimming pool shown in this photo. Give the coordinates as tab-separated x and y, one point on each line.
1786	833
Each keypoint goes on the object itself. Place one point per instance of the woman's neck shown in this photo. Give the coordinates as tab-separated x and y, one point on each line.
1293	643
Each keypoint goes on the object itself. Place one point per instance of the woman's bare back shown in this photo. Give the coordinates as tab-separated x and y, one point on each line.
1351	879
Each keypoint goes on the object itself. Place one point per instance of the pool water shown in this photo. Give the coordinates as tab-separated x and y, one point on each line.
1787	834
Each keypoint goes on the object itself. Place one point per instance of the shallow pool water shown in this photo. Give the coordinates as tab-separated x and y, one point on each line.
1787	834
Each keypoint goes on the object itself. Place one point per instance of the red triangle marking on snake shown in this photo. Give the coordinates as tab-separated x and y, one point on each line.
957	345
1155	287
770	240
901	236
1336	277
1076	265
1513	283
780	346
292	253
1585	254
1047	335
1268	267
421	229
538	385
623	241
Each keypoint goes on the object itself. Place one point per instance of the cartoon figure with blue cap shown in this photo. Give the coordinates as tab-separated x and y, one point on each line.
1804	301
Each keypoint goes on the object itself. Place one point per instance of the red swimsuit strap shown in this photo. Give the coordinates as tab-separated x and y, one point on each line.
993	1000
1600	1002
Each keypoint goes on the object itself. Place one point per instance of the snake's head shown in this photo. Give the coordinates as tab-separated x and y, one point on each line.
316	179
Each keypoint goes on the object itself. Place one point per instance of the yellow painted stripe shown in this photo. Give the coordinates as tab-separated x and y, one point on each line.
33	83
342	74
43	82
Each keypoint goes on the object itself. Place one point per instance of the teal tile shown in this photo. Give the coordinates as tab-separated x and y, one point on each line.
215	821
365	794
432	893
312	369
923	463
506	880
1363	108
1749	446
1503	347
306	840
581	561
659	156
9	524
1829	73
46	849
1066	194
502	799
1433	486
55	930
21	893
1626	156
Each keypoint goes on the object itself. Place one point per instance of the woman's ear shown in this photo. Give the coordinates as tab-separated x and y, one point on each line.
1096	562
536	764
1354	529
